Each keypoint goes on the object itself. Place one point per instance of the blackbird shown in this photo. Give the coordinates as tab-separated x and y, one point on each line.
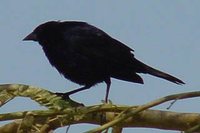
87	55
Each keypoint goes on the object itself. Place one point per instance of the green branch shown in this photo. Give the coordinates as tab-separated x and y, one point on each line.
130	112
40	95
66	112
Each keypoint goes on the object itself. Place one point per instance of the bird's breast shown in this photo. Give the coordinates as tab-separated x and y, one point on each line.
77	68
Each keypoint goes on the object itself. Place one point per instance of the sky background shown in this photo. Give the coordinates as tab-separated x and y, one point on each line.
164	34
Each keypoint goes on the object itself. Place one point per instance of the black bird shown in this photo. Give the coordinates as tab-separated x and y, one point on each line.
87	55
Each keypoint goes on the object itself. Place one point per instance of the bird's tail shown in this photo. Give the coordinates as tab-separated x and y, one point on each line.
157	73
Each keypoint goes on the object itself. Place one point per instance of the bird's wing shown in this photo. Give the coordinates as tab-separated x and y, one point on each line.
102	51
93	43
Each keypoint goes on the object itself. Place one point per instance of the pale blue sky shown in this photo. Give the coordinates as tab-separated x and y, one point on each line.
164	34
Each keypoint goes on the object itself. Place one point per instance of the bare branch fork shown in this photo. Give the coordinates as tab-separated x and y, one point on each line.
66	112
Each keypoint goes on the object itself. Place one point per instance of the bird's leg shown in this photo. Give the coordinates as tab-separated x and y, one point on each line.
108	82
67	94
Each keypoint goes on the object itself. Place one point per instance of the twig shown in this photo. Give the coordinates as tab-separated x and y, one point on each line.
171	104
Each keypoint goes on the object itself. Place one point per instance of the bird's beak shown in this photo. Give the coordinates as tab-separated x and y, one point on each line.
32	37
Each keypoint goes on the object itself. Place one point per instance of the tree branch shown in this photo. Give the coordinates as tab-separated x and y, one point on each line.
66	112
132	111
148	119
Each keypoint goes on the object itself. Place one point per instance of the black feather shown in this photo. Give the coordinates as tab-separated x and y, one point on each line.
87	55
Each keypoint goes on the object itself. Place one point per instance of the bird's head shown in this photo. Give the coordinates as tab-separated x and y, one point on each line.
46	32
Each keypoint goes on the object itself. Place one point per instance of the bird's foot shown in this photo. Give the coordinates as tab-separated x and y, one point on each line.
106	101
65	96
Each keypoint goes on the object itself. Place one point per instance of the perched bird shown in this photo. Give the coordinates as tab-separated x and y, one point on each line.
87	55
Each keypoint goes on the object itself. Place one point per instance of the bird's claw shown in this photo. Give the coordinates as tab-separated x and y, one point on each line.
65	96
106	102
